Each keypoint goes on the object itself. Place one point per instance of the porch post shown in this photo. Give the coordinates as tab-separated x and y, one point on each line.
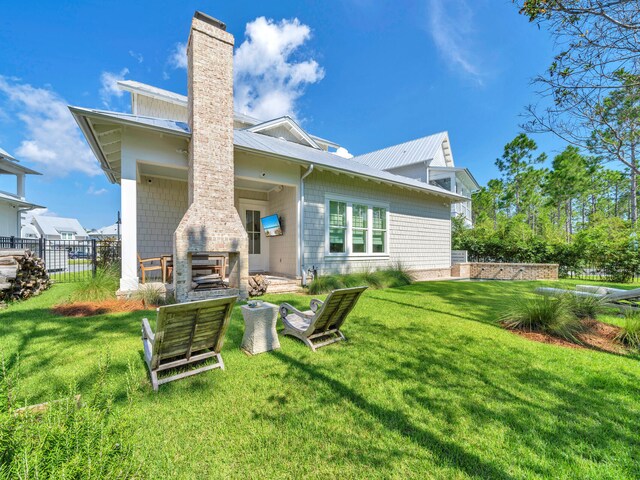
129	226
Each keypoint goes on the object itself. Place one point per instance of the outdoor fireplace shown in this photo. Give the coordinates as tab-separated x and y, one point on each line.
211	223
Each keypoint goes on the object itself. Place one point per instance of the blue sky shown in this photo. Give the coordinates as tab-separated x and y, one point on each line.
379	73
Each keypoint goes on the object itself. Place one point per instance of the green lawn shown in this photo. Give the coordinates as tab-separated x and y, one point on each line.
426	387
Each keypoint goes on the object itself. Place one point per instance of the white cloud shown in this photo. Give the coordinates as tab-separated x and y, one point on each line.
52	139
96	191
343	152
138	56
178	56
110	89
268	82
451	26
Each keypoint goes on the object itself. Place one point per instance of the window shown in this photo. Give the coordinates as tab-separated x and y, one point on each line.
359	228
379	230
356	228
253	231
337	227
66	235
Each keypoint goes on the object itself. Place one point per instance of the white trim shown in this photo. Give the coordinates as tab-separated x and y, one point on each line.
350	201
263	206
292	126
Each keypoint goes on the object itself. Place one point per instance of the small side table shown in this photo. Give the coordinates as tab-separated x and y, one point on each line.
260	328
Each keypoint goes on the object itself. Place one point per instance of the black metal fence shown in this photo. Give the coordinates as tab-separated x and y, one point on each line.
69	260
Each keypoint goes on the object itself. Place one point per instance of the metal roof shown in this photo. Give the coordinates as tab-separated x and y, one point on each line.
162	124
408	153
54	225
12	165
15	200
244	139
168	96
257	142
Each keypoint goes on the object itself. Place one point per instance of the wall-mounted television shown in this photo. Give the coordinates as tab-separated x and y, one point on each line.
271	225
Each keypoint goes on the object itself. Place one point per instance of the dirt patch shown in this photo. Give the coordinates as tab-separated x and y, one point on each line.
89	309
596	336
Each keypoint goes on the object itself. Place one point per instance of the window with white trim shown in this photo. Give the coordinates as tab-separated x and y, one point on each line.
379	244
337	227
67	235
356	228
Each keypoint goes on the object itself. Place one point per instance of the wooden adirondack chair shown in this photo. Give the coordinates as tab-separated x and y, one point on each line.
186	333
324	319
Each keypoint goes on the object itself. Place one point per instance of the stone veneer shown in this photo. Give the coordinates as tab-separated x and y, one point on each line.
211	223
506	271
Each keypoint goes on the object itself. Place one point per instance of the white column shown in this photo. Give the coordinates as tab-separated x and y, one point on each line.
20	186
129	226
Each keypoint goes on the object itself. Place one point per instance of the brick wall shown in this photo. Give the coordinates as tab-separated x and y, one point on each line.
506	271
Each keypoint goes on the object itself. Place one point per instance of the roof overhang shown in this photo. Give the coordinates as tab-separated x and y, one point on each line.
100	142
440	192
17	201
10	165
85	117
461	170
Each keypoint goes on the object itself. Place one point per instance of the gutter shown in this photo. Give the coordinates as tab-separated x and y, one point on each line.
303	271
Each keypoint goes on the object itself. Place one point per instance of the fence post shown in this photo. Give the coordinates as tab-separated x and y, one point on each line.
41	250
94	255
12	242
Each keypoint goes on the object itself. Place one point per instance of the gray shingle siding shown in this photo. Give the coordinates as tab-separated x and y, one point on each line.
419	225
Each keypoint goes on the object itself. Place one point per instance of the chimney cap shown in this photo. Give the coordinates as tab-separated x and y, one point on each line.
210	20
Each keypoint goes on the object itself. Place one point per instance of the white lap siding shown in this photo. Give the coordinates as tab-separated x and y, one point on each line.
161	205
419	229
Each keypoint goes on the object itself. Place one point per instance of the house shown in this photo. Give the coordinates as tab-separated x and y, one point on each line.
58	228
110	232
196	177
428	159
13	205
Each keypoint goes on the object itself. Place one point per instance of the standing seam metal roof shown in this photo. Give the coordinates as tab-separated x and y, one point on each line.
277	146
408	153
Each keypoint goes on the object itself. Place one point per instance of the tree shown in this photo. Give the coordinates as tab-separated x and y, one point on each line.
617	133
516	165
599	53
567	180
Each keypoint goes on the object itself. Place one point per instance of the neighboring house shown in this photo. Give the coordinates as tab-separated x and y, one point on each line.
198	178
13	205
58	228
428	159
105	233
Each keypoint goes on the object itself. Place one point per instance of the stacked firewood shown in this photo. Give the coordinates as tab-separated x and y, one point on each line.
22	274
257	285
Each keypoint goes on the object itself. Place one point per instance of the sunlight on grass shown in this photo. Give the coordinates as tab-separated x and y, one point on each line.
427	386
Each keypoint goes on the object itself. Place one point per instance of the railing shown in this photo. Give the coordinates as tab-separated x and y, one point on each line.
69	260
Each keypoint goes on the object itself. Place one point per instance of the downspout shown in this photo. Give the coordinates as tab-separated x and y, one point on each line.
303	271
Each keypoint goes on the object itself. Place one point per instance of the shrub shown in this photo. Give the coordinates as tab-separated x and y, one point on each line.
101	286
629	333
152	296
544	314
397	276
325	283
584	307
65	440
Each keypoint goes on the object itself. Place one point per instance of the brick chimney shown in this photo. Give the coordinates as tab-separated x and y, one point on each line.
211	223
